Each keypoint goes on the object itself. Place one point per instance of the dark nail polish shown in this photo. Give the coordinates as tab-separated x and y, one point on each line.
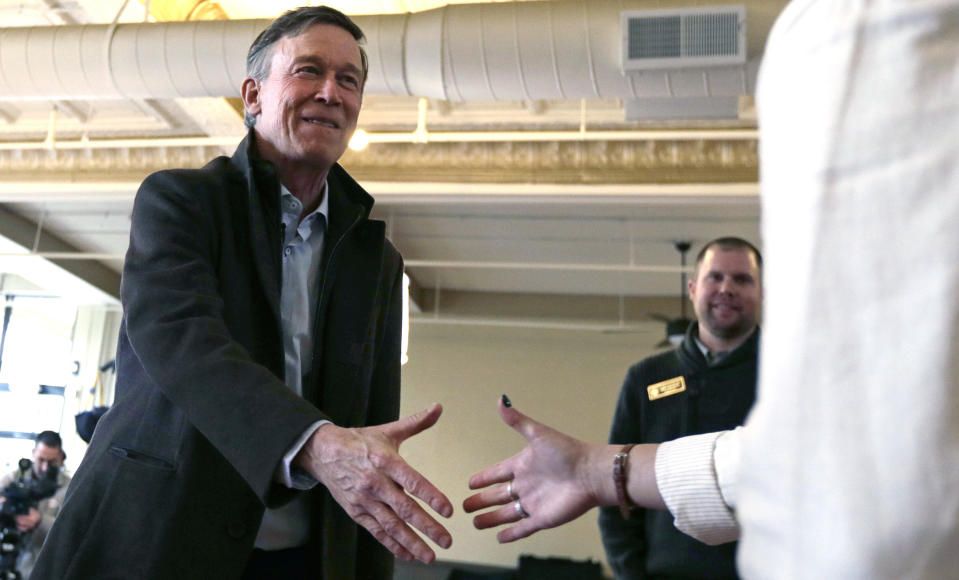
506	401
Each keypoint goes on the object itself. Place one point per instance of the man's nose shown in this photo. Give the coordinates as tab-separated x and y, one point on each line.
327	91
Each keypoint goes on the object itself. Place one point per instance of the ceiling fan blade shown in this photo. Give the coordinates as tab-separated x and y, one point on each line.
677	326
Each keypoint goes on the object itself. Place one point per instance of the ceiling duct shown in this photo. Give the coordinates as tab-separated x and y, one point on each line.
564	49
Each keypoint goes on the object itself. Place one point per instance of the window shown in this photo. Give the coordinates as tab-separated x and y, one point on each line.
36	365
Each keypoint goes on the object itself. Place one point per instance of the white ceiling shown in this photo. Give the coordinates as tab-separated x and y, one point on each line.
538	217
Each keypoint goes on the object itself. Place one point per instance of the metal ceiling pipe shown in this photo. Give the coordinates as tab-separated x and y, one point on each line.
153	60
564	49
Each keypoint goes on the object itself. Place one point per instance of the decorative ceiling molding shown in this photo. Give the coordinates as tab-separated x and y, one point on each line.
719	161
560	162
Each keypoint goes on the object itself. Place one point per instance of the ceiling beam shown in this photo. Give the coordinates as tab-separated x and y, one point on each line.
24	231
539	310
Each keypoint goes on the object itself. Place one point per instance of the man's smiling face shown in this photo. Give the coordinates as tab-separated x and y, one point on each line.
726	293
308	105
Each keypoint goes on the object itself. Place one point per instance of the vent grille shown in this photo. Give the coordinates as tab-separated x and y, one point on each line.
706	36
654	37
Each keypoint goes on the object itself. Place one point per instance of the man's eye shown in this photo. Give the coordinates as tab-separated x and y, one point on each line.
350	81
309	70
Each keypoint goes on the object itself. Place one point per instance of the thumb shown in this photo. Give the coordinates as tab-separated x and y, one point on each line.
518	421
403	429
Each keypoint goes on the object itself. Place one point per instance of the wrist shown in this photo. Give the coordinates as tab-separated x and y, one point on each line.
597	481
307	458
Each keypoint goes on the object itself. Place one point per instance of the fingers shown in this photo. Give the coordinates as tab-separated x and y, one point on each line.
498	473
507	514
525	525
498	495
392	521
418	486
395	511
383	508
521	530
411	512
382	537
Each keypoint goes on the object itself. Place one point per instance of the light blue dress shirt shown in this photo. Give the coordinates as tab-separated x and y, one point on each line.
303	240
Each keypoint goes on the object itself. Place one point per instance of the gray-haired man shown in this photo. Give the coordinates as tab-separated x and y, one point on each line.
258	365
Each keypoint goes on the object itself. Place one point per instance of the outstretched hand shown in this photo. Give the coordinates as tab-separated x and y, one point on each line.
549	480
362	469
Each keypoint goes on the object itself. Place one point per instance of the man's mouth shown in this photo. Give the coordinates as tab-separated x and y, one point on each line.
322	122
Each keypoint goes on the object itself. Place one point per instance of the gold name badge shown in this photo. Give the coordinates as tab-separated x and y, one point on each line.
666	388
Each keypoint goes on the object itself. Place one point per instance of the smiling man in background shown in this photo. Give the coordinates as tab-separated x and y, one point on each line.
706	384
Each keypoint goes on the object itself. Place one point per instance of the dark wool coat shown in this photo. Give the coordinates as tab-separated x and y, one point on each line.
175	481
716	398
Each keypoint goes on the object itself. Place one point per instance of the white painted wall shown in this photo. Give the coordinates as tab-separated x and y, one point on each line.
569	380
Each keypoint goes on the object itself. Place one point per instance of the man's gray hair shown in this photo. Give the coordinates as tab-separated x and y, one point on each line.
293	23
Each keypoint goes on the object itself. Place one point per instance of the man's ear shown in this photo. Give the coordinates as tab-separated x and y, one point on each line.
250	91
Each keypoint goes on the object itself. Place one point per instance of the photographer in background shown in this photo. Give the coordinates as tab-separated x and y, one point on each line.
48	458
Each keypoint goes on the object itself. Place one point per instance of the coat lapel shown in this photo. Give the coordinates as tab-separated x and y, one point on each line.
264	200
348	305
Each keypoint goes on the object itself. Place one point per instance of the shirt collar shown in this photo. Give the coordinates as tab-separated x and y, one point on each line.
322	210
722	354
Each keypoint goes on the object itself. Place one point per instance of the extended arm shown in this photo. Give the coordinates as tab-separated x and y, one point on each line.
558	478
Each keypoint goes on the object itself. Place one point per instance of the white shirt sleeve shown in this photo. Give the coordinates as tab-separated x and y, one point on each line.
696	478
296	478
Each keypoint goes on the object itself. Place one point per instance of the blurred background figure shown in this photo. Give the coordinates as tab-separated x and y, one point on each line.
30	499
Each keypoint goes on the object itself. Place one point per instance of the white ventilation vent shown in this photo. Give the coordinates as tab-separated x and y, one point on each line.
685	37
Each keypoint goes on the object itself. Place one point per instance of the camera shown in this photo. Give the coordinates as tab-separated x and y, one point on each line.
23	493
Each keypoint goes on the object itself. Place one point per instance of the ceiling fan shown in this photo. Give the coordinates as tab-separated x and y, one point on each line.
676	327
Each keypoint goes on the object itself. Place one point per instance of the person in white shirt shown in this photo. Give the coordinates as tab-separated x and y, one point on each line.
850	458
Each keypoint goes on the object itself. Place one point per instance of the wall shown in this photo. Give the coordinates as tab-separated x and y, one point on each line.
564	378
94	343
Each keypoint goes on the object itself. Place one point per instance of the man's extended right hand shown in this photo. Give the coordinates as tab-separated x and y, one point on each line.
362	469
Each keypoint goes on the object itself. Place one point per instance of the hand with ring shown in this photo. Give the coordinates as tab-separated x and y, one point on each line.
554	480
